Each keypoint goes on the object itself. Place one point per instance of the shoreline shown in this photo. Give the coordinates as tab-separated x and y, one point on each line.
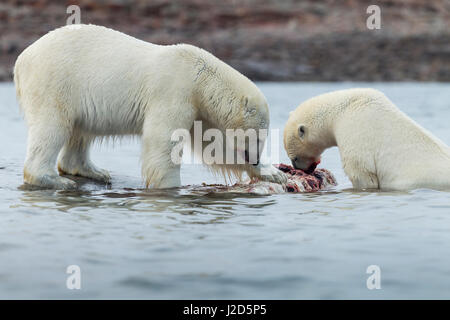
264	40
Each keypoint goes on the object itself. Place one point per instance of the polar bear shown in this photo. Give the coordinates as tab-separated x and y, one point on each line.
380	146
82	82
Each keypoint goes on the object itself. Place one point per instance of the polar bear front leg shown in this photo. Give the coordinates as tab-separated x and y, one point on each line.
360	175
171	179
74	160
158	166
158	169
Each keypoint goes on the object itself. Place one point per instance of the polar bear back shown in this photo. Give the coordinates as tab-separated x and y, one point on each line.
403	154
96	75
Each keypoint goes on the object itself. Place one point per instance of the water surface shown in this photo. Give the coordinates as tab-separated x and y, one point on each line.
132	243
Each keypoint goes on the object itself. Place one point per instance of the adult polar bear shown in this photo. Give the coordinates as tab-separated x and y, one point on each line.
80	82
380	146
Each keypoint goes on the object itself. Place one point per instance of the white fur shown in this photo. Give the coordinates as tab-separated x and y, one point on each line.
380	146
79	83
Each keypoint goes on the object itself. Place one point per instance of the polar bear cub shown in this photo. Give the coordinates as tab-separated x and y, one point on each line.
380	146
78	83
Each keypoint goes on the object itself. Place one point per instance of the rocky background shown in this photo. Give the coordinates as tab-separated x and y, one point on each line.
277	40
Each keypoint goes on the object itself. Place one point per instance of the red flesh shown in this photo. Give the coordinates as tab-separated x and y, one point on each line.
313	181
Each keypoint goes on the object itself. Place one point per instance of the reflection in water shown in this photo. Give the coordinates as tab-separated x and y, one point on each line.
188	200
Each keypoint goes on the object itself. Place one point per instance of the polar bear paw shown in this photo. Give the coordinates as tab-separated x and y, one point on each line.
52	182
269	173
90	172
97	174
272	174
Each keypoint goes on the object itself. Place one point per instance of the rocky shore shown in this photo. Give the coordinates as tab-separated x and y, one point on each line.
272	40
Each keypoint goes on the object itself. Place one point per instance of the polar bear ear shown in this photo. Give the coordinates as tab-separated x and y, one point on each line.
301	131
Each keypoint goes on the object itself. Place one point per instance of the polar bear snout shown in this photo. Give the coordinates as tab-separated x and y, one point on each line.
308	165
249	160
253	152
299	163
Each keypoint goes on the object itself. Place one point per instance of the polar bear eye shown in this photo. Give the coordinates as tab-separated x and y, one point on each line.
301	131
250	112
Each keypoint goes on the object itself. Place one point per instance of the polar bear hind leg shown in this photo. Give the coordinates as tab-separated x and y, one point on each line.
74	159
45	140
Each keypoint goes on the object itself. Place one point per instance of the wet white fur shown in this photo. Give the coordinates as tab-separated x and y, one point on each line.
79	83
380	146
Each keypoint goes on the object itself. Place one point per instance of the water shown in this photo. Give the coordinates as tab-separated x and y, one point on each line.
131	243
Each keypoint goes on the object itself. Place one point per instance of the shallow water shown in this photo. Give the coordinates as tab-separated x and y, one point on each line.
131	243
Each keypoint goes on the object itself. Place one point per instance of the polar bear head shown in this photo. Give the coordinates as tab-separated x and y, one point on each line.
251	121
308	132
312	127
237	107
246	126
225	99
